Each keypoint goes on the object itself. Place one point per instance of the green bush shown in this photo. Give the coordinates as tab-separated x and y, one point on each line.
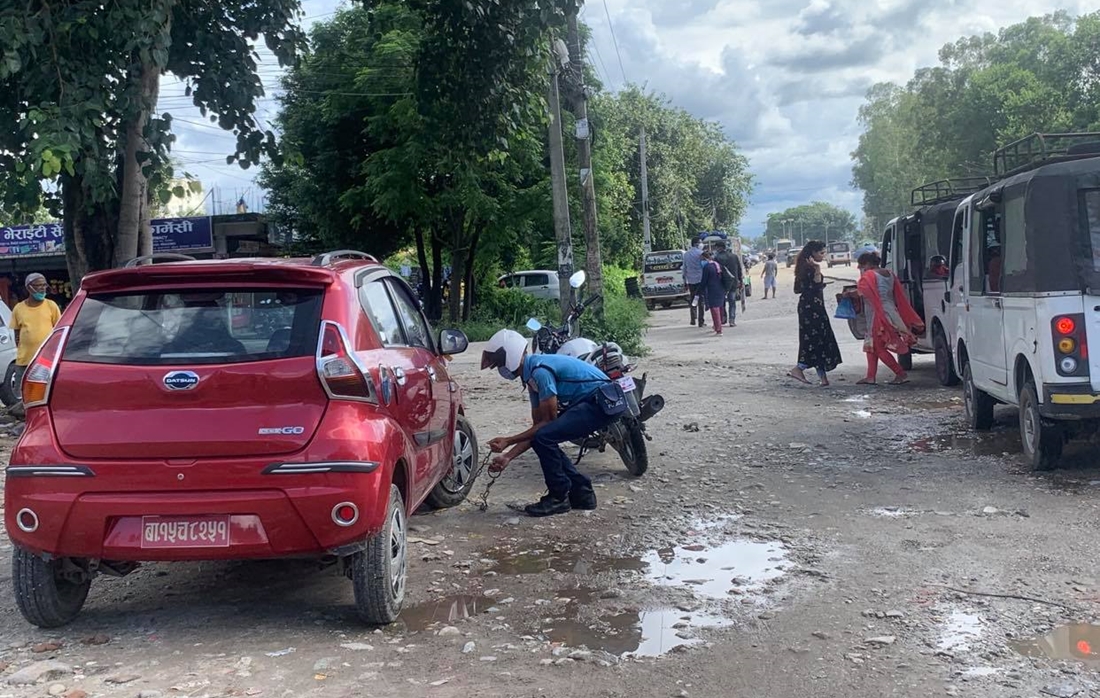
624	322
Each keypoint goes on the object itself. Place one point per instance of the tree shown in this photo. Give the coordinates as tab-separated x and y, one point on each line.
815	221
78	105
1040	75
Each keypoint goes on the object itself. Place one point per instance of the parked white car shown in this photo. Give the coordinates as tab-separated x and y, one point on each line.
540	283
9	389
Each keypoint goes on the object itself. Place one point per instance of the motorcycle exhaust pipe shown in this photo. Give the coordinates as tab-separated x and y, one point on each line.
651	406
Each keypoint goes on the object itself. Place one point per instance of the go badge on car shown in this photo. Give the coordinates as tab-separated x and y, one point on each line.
181	380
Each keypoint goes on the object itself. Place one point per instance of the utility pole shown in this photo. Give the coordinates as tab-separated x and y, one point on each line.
647	235
560	192
594	259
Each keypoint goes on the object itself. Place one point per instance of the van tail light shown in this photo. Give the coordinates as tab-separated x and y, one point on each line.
1071	345
38	379
340	373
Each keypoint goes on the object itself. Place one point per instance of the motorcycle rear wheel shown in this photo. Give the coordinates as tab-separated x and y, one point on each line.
633	449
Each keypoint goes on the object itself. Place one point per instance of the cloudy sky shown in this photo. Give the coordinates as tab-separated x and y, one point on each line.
784	77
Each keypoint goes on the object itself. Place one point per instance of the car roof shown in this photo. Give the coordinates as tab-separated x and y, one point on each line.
529	271
231	271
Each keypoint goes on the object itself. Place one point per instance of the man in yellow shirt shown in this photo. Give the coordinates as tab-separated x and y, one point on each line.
33	320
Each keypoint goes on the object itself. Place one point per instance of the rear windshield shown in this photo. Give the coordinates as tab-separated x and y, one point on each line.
663	261
196	326
838	247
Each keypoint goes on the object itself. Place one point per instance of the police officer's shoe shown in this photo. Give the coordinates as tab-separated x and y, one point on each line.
548	506
583	498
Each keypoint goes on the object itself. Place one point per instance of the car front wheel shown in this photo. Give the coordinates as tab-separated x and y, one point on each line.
10	390
1043	441
378	573
49	593
453	489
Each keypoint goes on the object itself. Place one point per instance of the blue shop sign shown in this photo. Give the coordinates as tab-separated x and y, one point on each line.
169	235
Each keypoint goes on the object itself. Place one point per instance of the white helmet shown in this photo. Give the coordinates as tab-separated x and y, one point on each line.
504	352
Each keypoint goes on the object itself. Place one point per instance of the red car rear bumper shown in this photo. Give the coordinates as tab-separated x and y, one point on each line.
103	511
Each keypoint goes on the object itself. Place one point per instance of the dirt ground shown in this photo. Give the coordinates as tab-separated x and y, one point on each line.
788	540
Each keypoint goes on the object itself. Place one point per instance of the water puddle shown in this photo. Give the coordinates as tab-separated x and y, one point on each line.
568	561
995	443
960	629
862	414
633	634
450	609
735	567
1069	642
893	512
858	398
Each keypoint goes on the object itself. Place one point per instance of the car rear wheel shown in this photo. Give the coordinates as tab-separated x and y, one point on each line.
1043	441
945	366
10	390
453	489
906	361
378	573
979	406
49	594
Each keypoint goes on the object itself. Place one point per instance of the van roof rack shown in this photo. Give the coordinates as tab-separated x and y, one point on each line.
1042	148
947	190
323	260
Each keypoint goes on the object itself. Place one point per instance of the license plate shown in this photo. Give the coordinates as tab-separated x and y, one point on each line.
664	279
185	531
627	384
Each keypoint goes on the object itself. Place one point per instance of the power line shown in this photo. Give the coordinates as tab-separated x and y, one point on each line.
614	40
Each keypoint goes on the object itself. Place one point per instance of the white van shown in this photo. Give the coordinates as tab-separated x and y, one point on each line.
916	248
663	279
1026	291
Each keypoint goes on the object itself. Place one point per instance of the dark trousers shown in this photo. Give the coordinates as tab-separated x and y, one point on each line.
696	317
577	422
729	311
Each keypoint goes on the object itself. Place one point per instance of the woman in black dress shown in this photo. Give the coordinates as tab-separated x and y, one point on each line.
817	347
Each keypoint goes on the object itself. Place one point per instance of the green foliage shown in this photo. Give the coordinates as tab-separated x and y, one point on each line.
624	322
814	221
1036	76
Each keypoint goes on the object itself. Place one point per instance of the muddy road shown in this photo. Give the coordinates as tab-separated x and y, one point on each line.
787	541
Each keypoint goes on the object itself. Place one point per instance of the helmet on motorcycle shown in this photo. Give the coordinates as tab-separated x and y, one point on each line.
504	352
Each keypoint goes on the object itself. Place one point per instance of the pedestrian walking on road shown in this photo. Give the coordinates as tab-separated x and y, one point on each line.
33	320
892	324
712	291
733	279
817	347
771	271
693	276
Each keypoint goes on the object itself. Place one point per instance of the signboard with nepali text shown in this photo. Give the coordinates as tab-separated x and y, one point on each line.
169	235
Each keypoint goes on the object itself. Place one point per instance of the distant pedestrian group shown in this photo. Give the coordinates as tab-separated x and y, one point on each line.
716	284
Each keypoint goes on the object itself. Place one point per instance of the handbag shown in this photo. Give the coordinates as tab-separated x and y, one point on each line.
611	399
845	309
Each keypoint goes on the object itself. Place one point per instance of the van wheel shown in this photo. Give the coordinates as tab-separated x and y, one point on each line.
666	304
979	406
906	361
650	305
453	489
49	594
10	389
378	573
1043	440
945	367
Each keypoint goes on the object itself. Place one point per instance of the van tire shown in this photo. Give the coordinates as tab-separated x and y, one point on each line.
978	405
945	366
1042	440
906	361
378	599
44	597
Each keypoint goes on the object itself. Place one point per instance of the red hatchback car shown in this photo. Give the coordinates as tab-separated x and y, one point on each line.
227	410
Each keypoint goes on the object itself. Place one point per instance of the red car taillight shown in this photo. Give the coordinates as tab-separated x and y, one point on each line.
38	379
1071	346
340	373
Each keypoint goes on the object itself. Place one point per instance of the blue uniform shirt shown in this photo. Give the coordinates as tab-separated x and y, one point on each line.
569	379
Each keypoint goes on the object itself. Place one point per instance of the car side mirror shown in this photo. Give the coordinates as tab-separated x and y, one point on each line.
453	342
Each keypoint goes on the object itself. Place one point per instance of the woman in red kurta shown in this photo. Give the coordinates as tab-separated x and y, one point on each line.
892	323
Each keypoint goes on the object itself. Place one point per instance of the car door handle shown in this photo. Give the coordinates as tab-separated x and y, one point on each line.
996	302
399	376
431	373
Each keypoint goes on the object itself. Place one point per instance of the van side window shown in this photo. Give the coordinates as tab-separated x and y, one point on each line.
958	239
1015	242
1090	210
986	263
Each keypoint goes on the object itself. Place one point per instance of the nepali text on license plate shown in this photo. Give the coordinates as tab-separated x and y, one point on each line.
626	383
185	531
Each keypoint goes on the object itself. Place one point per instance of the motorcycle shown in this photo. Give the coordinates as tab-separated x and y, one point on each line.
626	435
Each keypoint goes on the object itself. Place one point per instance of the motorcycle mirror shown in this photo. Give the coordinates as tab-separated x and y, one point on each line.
578	279
534	325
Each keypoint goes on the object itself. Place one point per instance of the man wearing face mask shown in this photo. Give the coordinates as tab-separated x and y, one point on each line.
552	380
693	276
33	320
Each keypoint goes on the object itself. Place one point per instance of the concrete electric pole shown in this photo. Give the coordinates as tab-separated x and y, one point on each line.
562	230
647	235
